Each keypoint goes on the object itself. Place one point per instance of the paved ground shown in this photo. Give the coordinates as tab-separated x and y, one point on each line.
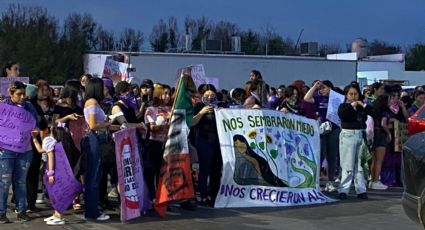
382	211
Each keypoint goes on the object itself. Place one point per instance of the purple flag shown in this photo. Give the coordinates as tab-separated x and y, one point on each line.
16	125
65	187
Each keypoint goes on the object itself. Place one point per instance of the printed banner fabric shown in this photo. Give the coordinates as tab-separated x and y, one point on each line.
65	187
269	159
134	195
16	125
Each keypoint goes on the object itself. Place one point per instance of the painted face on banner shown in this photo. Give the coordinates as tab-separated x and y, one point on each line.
240	146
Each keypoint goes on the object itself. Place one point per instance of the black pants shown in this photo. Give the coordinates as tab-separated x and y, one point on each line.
33	179
109	166
152	166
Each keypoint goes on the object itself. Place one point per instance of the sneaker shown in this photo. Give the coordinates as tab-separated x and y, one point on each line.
113	193
102	217
50	218
40	198
4	219
56	221
330	187
362	196
377	185
23	216
342	196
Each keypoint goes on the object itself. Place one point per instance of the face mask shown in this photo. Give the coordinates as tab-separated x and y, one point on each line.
394	107
209	101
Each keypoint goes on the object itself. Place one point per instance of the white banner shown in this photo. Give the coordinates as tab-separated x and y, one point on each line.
335	99
269	159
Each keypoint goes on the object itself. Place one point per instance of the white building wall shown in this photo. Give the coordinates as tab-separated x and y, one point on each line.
233	70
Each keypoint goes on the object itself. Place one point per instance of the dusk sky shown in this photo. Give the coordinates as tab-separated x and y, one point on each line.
326	21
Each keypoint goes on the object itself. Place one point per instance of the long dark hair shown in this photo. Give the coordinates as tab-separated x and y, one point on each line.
63	136
70	92
94	89
265	170
7	66
355	86
380	105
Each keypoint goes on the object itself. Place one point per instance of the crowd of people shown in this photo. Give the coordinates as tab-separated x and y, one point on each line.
367	158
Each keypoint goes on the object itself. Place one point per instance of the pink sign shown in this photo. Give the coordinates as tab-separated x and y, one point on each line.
16	125
134	195
78	129
65	187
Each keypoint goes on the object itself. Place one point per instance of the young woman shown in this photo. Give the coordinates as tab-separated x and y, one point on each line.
207	145
353	114
11	69
14	163
381	139
319	96
376	89
252	100
91	147
291	102
419	101
391	166
157	118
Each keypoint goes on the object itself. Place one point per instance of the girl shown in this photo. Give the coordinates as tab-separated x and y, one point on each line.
353	114
58	134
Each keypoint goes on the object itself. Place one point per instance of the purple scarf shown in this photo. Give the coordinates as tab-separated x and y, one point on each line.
129	100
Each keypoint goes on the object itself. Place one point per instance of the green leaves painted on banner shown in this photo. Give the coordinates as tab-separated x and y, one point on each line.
261	144
274	153
253	145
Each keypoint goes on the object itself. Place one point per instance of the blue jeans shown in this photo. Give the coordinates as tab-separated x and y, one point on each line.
91	147
14	169
351	142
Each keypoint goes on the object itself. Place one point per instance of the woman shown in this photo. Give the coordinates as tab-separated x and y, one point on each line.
252	100
376	89
251	169
11	69
157	118
353	114
14	163
419	101
381	139
261	87
237	97
391	166
44	106
91	147
291	102
319	96
207	145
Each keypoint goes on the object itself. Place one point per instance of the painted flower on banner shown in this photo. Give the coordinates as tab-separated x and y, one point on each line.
252	134
269	139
